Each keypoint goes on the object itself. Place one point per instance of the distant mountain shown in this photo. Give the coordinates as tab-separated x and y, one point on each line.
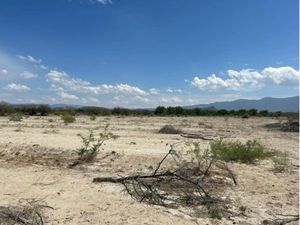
290	104
60	106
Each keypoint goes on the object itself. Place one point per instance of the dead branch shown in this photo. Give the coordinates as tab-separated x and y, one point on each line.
197	136
224	166
128	178
28	214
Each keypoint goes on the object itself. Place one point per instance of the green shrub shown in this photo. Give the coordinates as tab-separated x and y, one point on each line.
67	118
15	117
237	151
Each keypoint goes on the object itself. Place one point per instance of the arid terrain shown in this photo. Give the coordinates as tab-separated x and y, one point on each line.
35	152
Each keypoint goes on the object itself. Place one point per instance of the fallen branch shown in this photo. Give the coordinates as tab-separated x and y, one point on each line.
197	136
129	178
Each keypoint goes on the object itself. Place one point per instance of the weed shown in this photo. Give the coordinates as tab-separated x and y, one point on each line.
91	144
203	157
215	213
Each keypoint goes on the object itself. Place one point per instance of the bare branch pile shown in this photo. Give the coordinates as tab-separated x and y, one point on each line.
30	213
184	186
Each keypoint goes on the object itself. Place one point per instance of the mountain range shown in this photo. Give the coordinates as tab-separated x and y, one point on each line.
289	104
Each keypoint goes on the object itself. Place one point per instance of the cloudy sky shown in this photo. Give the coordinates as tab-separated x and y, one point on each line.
135	53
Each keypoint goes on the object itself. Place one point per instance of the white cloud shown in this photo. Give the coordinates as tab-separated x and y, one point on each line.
213	83
143	99
28	75
282	75
29	58
65	95
43	67
170	90
92	99
248	79
3	72
17	87
117	98
171	100
81	86
104	2
154	91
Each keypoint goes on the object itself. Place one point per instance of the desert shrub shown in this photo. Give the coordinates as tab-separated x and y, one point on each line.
92	117
67	118
237	151
91	144
50	120
280	163
15	117
169	129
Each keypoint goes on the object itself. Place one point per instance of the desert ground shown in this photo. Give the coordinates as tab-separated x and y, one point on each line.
33	166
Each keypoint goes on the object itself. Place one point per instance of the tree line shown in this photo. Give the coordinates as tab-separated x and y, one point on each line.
44	110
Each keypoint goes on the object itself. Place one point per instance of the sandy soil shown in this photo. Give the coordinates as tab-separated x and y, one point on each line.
34	152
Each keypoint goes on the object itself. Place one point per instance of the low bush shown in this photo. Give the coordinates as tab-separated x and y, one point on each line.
237	151
67	118
169	129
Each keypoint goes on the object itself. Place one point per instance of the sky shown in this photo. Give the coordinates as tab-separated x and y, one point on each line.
145	53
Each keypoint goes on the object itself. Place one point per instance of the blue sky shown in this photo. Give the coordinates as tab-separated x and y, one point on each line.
144	53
